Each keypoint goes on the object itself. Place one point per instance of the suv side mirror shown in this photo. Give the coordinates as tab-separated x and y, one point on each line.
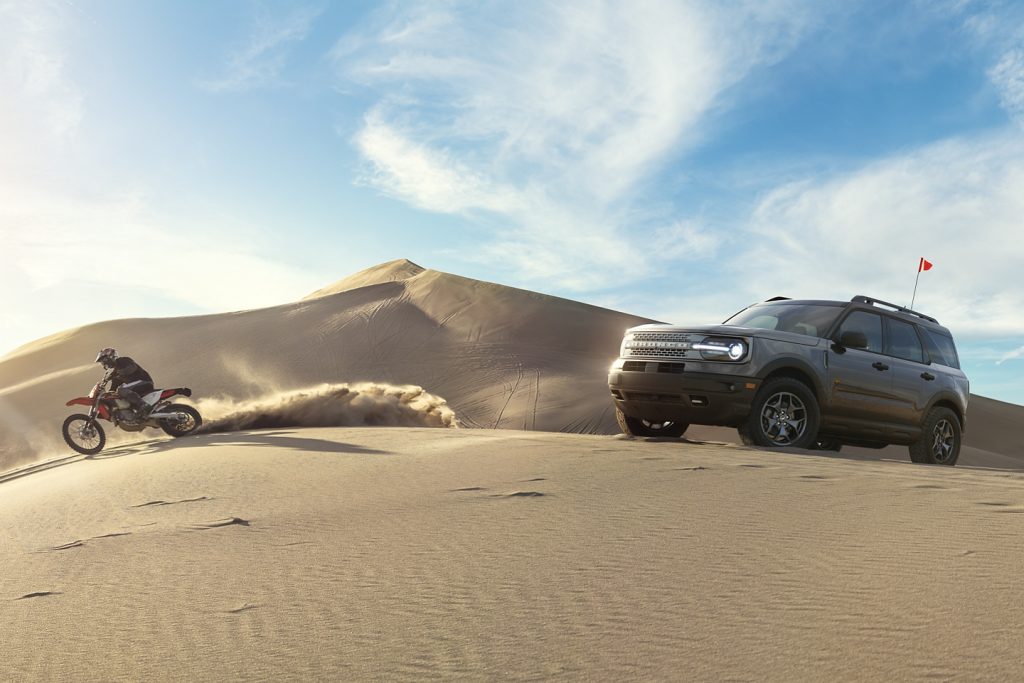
853	340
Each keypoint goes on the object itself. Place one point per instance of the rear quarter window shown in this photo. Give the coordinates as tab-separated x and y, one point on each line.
940	347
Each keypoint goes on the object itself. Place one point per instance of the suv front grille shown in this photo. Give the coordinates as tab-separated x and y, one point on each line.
660	345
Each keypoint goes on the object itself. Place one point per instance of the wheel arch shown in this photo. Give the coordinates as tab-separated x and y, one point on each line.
943	401
798	370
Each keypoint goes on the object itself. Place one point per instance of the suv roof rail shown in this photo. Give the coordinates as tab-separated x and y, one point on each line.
778	298
861	299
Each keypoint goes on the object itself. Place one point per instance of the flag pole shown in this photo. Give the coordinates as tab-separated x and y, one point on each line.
919	265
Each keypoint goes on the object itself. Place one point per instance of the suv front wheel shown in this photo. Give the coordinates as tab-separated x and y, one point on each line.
940	439
784	414
637	427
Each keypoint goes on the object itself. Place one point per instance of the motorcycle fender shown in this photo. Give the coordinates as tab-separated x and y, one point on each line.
101	412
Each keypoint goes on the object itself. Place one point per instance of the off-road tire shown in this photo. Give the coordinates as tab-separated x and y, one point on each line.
178	429
745	438
781	395
636	427
66	431
940	440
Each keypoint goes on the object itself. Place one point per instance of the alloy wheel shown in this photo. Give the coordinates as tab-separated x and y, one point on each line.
784	418
943	441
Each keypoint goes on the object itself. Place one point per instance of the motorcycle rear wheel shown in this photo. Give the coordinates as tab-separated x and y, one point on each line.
84	434
191	423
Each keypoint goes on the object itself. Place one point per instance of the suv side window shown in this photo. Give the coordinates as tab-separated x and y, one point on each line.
870	324
940	348
903	341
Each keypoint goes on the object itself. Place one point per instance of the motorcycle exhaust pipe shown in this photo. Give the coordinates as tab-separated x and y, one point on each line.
180	417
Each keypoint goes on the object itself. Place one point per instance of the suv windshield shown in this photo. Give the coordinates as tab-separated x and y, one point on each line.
810	319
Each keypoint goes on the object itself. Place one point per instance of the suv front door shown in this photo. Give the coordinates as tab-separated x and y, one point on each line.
859	381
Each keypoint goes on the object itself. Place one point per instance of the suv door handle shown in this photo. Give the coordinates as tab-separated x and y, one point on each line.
880	366
927	376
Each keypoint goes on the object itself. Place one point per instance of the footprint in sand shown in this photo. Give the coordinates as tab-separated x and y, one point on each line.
80	543
520	494
244	608
469	488
39	594
220	523
690	469
170	502
66	546
1000	506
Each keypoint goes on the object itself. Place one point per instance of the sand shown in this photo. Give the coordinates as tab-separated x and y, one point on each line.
417	554
496	529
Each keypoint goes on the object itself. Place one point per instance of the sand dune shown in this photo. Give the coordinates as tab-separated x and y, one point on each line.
500	357
413	554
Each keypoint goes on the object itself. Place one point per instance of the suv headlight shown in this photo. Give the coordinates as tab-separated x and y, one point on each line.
719	348
625	344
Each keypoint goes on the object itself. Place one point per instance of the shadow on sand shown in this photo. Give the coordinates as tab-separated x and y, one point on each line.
282	439
896	454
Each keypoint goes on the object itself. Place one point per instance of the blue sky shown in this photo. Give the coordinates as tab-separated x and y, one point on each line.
674	160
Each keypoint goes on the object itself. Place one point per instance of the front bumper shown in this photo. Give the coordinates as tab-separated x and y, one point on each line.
665	391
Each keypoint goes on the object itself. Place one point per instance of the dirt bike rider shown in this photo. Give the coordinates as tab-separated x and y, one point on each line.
128	379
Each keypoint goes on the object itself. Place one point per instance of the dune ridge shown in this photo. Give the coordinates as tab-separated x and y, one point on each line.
500	357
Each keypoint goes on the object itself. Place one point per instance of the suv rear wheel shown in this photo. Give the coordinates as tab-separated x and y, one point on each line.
940	439
637	427
784	414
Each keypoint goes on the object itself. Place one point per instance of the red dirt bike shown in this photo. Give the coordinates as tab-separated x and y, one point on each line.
85	434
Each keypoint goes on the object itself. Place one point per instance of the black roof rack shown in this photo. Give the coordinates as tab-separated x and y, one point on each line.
860	299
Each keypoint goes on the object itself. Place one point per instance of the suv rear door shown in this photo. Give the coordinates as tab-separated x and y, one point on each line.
859	381
912	382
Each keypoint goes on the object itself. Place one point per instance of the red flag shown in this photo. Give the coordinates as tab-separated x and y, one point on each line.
924	265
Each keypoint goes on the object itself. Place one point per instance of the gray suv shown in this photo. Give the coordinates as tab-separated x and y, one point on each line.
800	374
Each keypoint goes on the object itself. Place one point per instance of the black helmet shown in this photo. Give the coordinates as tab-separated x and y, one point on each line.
107	357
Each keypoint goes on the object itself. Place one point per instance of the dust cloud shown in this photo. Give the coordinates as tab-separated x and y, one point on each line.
330	405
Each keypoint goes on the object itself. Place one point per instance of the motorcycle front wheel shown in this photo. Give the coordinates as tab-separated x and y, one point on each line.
191	422
84	434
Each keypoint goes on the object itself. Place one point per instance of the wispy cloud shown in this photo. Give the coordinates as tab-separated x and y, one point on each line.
39	94
958	203
1012	355
1008	77
260	61
547	124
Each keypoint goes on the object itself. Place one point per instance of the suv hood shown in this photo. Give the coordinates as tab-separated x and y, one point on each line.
731	331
